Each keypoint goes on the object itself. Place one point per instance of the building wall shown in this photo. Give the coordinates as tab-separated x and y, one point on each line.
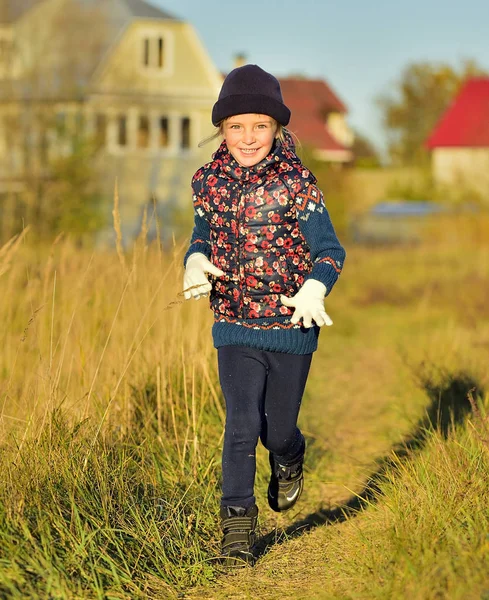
179	69
149	103
179	86
339	129
464	167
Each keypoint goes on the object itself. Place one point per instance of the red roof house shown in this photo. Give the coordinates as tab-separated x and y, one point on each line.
466	122
318	117
460	140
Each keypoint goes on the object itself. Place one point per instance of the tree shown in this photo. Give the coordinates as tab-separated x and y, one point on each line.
364	152
71	200
420	97
44	79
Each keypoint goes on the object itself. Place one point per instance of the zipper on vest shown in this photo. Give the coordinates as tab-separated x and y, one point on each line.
240	281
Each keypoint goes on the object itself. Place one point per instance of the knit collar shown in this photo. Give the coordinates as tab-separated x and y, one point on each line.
230	168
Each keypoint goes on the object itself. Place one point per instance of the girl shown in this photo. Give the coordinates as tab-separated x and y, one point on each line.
264	247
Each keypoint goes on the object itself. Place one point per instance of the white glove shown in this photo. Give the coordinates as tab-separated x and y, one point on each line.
309	304
195	283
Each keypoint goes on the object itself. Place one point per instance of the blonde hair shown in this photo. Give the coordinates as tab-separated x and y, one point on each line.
219	132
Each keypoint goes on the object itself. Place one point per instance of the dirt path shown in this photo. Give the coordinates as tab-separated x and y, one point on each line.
353	413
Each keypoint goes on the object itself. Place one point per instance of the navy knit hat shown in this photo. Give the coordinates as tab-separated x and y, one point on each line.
250	89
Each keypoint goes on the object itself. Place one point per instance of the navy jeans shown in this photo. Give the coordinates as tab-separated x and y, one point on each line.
263	392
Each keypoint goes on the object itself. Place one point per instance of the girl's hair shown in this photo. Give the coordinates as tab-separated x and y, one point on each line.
219	131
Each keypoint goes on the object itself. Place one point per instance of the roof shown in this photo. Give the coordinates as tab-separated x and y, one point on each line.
11	10
127	10
466	121
117	15
318	90
141	9
310	100
105	19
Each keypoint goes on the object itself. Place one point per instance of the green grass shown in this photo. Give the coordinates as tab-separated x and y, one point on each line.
111	428
121	524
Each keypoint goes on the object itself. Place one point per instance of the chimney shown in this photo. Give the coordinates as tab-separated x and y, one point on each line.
239	60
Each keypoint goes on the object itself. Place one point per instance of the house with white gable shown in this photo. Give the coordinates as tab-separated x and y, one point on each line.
131	75
459	143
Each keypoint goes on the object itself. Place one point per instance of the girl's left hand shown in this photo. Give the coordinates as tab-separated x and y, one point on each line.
309	304
195	282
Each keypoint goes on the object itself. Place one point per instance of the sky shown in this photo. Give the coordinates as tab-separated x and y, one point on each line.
359	47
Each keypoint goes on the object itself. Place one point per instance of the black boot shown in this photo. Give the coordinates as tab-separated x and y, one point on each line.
238	526
286	484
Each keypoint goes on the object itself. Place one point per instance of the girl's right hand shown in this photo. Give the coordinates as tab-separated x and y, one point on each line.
195	283
308	304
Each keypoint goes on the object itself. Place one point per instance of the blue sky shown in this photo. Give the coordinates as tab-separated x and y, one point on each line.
360	47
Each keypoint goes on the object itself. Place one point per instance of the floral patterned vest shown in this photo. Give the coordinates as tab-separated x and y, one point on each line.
254	233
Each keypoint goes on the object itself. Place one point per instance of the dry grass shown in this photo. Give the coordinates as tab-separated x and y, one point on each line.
111	425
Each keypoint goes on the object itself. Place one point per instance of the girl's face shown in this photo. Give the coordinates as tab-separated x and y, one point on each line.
249	137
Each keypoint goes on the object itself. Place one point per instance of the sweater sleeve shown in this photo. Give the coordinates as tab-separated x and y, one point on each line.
200	239
327	254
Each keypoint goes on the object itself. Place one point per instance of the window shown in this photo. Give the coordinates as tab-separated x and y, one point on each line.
146	53
100	129
185	133
154	52
122	130
160	52
164	132
143	132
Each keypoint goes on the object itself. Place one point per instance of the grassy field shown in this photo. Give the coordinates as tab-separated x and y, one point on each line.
111	427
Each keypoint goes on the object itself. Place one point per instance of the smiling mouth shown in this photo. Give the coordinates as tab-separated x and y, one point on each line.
249	150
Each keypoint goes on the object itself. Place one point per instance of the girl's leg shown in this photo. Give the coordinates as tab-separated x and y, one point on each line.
242	374
287	376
